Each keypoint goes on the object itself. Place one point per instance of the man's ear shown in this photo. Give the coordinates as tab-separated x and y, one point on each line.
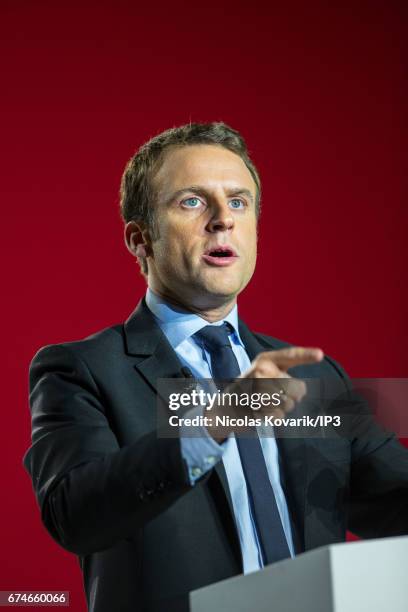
137	239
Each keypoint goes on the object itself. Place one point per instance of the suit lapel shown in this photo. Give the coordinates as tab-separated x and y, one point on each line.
155	359
145	340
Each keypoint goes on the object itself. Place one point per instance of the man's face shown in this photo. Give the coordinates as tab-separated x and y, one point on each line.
204	251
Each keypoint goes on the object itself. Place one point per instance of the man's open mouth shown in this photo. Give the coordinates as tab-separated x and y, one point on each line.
220	256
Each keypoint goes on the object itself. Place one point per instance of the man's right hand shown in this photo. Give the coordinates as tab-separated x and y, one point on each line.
265	371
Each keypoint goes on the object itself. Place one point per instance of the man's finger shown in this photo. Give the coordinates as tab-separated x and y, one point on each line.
294	356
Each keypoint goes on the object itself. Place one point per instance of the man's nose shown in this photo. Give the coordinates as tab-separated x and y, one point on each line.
221	219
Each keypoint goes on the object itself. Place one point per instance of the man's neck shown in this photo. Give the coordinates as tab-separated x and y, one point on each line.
211	313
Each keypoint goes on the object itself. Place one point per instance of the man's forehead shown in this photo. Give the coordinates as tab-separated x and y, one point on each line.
201	164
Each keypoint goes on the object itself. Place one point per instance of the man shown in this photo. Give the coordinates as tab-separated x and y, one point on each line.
153	518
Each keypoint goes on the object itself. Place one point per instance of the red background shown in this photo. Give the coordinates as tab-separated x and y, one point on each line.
317	88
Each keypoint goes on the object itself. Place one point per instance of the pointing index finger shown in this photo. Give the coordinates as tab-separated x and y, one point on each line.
296	355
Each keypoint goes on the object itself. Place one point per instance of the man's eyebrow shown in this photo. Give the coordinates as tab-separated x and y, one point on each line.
241	191
200	190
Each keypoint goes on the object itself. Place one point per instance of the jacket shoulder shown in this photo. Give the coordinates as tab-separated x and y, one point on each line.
108	341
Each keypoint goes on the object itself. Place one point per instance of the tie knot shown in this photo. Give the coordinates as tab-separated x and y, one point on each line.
215	336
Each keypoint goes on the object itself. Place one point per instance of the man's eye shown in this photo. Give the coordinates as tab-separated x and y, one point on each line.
236	203
191	202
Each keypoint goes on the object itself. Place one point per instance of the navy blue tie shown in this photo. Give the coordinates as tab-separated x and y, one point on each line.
224	365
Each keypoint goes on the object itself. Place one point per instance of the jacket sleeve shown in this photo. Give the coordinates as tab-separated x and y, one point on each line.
378	473
379	491
91	492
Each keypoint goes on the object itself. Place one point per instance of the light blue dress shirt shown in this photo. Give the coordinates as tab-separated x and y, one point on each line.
201	453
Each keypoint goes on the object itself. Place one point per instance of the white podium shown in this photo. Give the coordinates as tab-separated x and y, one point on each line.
364	576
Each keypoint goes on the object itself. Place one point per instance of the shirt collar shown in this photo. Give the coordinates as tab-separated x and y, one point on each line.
179	325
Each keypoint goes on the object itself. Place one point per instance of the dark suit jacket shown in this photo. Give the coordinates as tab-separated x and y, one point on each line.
118	496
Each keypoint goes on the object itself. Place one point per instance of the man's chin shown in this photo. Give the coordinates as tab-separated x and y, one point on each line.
220	291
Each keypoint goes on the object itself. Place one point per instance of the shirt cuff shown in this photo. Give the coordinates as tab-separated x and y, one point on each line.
200	451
